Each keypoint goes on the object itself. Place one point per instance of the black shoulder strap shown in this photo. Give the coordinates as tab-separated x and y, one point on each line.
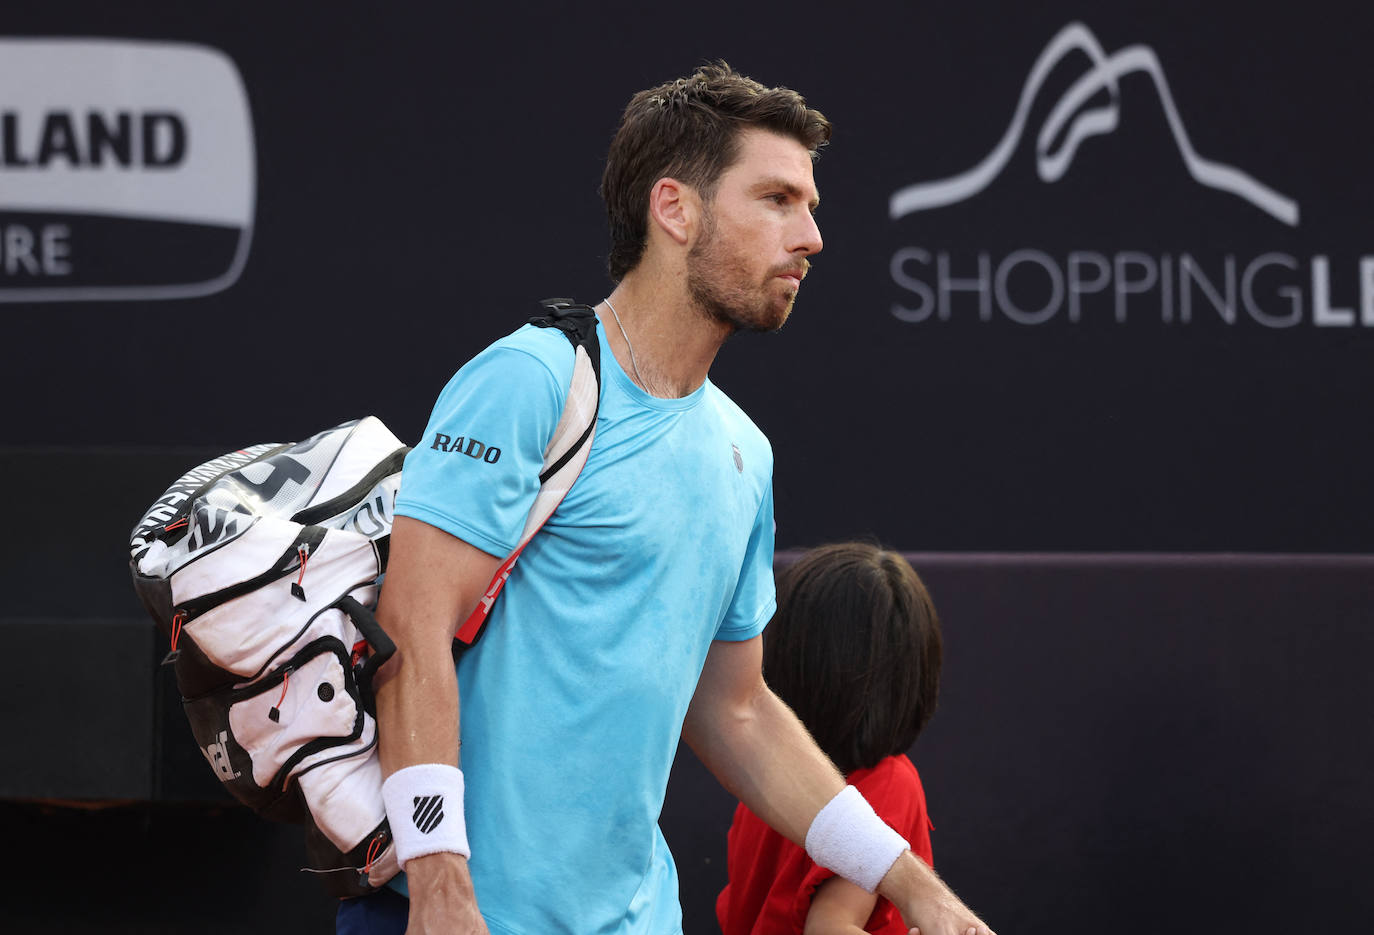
566	452
578	324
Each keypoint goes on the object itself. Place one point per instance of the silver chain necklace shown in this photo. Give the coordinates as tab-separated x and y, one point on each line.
634	365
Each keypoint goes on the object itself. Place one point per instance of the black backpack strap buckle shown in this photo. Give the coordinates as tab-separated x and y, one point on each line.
574	319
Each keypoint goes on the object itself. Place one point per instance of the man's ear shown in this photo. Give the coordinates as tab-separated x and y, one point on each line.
674	207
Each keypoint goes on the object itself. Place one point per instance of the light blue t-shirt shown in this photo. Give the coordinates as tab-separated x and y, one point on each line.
573	700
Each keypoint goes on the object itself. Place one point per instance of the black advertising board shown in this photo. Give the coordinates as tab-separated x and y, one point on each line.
1094	278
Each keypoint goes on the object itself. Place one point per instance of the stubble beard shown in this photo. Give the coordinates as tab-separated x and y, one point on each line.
719	283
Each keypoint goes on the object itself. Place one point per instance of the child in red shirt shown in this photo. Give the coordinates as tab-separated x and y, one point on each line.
855	650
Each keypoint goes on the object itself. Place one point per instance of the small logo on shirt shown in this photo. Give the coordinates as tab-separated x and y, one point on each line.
429	812
739	458
463	445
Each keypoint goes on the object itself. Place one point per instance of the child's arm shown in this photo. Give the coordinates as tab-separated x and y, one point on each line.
838	907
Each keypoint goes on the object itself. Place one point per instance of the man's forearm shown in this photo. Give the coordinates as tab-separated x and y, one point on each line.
756	747
762	753
433	580
417	711
792	780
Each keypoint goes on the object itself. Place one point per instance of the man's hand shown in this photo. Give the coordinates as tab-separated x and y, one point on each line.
927	905
442	901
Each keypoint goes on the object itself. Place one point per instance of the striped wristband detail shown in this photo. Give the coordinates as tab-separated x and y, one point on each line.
424	805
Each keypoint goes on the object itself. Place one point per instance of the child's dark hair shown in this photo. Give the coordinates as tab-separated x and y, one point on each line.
855	651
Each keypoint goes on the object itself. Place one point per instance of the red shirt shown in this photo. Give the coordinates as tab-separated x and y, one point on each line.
772	880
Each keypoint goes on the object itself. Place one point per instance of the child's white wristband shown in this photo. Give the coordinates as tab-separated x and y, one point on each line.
424	805
848	838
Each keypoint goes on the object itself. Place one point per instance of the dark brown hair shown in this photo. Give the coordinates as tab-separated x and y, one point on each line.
688	129
855	651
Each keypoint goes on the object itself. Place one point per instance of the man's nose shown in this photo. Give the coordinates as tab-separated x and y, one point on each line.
808	237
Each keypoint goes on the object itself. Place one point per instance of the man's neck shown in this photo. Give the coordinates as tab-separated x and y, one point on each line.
662	340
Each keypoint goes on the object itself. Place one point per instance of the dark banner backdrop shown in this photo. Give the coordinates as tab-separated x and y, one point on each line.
1097	278
1123	357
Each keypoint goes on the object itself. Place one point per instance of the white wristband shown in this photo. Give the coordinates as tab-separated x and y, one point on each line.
424	805
848	838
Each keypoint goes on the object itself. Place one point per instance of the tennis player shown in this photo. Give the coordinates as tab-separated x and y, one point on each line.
634	616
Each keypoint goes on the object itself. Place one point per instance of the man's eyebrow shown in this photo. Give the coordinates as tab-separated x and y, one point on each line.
790	188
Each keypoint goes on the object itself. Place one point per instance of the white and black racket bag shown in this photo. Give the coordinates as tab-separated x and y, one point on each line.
263	566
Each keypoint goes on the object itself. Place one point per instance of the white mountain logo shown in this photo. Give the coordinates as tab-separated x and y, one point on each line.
1078	123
